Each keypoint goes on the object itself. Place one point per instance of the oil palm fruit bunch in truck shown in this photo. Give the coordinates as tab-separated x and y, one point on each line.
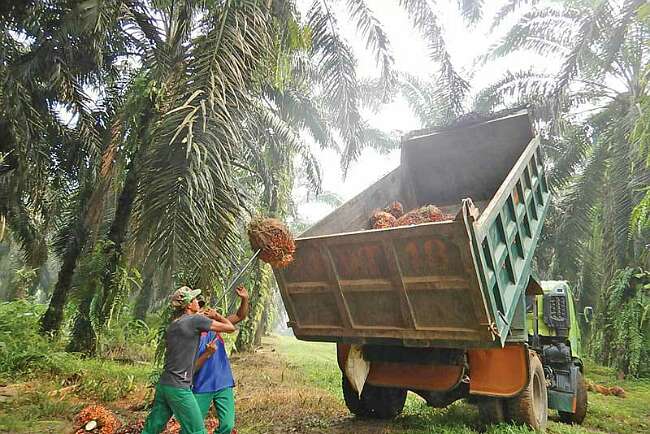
448	309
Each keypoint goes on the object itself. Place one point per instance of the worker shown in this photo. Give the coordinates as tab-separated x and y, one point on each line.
213	380
173	393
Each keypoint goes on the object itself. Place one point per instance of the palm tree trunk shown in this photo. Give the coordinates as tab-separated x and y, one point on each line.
248	330
51	320
117	237
262	327
146	295
83	338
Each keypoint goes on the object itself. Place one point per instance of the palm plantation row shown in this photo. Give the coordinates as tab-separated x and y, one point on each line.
137	138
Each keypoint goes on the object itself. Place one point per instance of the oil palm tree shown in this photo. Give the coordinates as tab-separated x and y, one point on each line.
201	70
585	112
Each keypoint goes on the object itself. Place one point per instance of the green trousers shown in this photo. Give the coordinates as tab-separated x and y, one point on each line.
179	402
224	403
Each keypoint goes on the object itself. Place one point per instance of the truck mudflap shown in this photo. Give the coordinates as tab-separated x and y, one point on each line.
498	372
495	372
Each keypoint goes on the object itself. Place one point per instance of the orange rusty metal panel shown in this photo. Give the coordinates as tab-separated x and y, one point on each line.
413	376
406	375
342	351
409	283
499	372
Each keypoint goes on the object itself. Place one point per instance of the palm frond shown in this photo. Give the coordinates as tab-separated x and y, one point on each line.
453	85
570	151
514	89
577	211
591	26
615	37
337	67
510	7
546	31
421	98
305	111
472	10
379	140
376	40
189	206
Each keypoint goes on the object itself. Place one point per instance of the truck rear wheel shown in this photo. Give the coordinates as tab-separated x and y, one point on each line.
491	411
581	404
530	407
375	402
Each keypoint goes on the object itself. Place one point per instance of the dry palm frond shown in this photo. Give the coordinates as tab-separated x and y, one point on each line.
173	427
135	427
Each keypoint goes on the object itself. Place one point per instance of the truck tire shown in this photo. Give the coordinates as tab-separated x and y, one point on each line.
530	407
491	411
376	402
352	401
581	404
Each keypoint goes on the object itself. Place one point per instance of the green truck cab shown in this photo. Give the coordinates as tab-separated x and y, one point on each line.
554	332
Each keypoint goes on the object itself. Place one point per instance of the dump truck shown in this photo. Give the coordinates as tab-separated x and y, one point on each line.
448	310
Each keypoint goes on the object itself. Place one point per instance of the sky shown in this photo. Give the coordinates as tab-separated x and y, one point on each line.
409	51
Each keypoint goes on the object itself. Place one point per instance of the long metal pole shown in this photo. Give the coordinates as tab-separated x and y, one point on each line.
233	282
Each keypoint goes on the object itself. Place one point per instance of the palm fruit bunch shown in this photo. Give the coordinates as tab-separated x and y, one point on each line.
95	419
273	239
425	214
396	209
134	427
382	220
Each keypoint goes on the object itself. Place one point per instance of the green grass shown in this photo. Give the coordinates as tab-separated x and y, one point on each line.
33	369
606	414
37	407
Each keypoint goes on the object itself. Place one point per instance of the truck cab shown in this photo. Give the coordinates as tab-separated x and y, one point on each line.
554	332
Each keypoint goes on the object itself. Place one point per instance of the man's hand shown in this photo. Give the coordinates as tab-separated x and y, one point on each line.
213	314
210	313
242	292
211	348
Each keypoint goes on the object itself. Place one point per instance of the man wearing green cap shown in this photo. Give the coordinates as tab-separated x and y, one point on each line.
173	393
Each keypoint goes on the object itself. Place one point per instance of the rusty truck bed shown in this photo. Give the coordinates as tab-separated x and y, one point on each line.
457	283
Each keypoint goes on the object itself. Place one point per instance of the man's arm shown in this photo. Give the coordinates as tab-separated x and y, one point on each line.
210	349
219	323
242	312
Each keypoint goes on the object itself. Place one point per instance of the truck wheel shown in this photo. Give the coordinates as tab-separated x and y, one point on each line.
530	407
491	411
352	401
581	404
376	402
384	402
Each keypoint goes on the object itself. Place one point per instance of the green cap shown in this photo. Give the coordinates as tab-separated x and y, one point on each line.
184	296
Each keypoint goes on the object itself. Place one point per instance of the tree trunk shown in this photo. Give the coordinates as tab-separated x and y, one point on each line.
51	320
260	331
117	236
248	329
146	295
83	338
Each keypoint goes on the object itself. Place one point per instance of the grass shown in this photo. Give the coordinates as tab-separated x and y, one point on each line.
44	401
286	386
606	414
